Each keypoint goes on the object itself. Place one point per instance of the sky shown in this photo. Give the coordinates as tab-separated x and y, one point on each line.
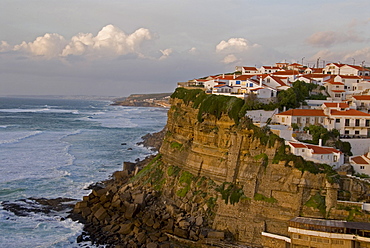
121	47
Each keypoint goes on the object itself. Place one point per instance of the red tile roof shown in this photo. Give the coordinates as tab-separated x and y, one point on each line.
226	77
362	97
358	67
256	89
317	75
349	77
250	68
350	112
288	72
338	91
331	81
322	150
303	112
335	104
297	145
244	77
359	160
271	67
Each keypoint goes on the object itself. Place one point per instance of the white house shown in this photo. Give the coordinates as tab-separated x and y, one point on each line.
349	123
362	102
335	89
249	70
332	68
317	153
350	82
279	83
264	92
361	164
268	69
314	78
301	117
222	89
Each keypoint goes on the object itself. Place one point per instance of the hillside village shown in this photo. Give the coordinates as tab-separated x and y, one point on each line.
338	100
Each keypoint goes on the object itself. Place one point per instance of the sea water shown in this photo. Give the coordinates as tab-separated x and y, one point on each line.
53	148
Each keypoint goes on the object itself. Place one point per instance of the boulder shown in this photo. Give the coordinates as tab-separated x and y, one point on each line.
180	233
139	198
126	228
131	211
101	214
151	245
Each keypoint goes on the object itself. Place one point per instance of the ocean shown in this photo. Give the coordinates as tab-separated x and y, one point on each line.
52	148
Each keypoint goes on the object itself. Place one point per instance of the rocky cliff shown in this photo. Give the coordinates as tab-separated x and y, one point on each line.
218	180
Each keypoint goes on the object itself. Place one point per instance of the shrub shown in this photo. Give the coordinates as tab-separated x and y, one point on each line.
260	197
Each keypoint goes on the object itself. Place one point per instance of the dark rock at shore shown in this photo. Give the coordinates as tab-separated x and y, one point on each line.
153	140
24	207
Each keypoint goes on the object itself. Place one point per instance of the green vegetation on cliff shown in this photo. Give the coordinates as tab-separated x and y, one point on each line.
212	104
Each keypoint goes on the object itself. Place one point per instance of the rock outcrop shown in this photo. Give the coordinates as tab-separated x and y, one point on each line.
217	179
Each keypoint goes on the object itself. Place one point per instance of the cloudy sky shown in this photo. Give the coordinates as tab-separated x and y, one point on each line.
119	47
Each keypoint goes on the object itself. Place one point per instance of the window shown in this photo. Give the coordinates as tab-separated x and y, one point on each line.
283	119
346	132
337	120
337	242
362	167
346	122
367	123
250	84
357	132
338	95
238	82
335	158
357	122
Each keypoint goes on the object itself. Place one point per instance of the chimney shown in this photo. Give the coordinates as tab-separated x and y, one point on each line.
261	81
234	76
320	142
223	75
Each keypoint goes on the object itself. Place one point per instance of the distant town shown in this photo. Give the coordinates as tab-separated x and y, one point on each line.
322	113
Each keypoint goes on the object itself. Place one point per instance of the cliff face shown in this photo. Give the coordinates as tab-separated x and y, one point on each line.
275	191
217	177
218	149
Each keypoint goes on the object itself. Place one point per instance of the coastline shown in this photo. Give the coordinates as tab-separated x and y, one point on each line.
144	100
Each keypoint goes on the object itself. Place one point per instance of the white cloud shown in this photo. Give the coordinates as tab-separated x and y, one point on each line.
231	58
165	53
47	46
4	46
235	44
109	42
